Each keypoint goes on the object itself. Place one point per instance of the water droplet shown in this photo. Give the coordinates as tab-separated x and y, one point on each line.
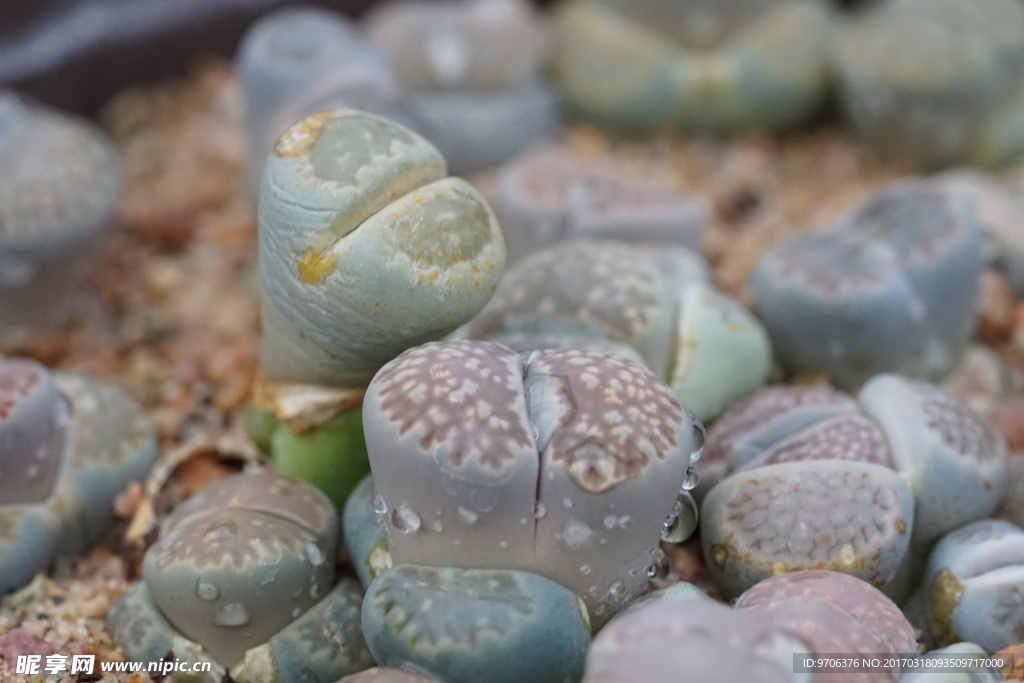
296	612
699	438
566	503
616	522
220	531
585	569
232	614
503	545
315	555
315	591
576	533
691	480
483	499
658	569
438	527
269	578
539	510
467	516
379	506
617	588
405	519
682	522
206	590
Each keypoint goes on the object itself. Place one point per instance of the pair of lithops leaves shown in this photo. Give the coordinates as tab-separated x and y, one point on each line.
890	287
701	65
68	446
650	303
58	191
462	74
818	479
563	463
243	576
763	636
549	195
935	82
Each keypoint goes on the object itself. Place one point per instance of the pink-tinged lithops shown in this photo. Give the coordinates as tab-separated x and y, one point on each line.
322	644
550	195
563	463
366	248
935	82
842	515
387	674
973	587
58	191
701	65
889	288
692	639
300	60
241	560
471	625
954	460
68	446
470	72
932	666
708	348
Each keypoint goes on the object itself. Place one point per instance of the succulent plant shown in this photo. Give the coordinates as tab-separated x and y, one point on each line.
699	65
677	630
973	588
889	288
470	70
935	82
549	194
364	536
242	575
709	349
803	457
388	674
300	60
70	445
59	191
470	625
366	249
561	463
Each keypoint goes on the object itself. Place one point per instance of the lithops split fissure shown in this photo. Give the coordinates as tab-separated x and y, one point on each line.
708	348
241	560
563	463
366	248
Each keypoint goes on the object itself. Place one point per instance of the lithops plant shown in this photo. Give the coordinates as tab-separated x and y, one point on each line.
703	343
936	83
69	446
973	588
366	248
387	674
470	73
889	288
470	625
549	195
242	575
701	65
561	463
950	468
300	60
365	539
57	194
682	632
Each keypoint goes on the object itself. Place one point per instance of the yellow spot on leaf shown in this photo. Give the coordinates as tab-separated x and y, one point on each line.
315	266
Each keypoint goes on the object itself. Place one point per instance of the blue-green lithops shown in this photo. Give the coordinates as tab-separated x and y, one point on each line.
241	560
973	587
366	248
58	191
564	463
69	446
549	195
471	625
936	82
700	65
363	532
300	60
709	349
890	288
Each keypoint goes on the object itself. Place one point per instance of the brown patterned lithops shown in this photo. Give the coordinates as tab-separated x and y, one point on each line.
241	560
366	248
562	463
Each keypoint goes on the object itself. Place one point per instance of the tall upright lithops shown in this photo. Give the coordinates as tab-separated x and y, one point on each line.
708	348
68	446
889	288
366	248
562	463
58	191
936	83
700	65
